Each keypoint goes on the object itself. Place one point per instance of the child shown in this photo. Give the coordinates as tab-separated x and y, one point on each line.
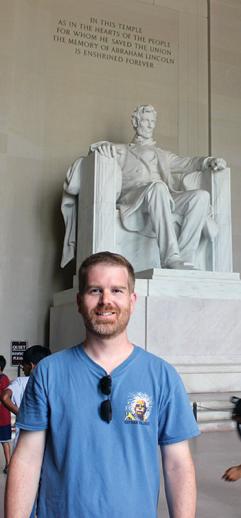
5	417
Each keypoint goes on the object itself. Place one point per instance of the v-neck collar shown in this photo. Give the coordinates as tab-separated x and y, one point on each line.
98	369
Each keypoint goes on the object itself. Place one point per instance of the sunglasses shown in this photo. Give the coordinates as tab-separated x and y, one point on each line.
105	407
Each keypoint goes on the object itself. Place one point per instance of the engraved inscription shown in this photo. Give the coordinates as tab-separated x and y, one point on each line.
112	41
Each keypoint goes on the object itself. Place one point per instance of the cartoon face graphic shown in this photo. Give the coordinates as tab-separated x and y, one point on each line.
138	408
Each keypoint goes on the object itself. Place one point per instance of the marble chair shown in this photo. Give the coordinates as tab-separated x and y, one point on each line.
99	226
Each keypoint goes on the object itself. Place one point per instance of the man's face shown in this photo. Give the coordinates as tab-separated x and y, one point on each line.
107	303
146	125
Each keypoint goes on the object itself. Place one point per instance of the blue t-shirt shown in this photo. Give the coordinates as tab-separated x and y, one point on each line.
92	468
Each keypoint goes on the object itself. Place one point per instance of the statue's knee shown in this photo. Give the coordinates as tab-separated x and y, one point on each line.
159	189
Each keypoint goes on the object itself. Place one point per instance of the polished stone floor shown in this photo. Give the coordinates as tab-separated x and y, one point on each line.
213	452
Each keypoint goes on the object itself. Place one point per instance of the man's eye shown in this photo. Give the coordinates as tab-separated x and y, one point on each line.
94	290
117	290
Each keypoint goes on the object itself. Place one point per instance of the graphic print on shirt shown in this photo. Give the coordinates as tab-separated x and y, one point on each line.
138	408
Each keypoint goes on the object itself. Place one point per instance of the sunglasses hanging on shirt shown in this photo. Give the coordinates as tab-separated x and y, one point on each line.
105	407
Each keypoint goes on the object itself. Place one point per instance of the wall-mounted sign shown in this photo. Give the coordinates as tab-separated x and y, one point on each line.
17	350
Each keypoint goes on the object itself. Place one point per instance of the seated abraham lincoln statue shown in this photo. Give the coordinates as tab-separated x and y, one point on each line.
149	203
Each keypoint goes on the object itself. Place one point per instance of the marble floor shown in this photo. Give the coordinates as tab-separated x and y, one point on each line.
213	452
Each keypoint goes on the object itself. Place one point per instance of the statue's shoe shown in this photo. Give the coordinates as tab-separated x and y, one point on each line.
178	264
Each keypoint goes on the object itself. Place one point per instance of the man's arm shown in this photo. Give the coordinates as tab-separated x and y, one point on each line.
23	474
187	165
179	478
5	397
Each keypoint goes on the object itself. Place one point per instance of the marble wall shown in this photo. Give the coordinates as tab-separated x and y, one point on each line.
57	96
225	100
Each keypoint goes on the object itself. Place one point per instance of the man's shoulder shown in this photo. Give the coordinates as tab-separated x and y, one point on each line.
4	379
3	376
59	357
157	361
19	381
163	152
157	369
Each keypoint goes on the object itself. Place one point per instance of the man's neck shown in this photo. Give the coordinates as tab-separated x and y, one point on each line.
143	141
108	352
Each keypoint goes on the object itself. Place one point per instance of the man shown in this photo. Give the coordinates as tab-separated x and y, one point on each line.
149	202
12	396
72	418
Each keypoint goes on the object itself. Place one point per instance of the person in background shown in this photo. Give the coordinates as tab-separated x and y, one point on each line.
11	396
5	418
232	474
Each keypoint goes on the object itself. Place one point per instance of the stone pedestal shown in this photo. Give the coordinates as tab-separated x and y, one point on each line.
190	318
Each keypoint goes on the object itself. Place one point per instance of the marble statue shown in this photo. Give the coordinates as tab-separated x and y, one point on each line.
149	202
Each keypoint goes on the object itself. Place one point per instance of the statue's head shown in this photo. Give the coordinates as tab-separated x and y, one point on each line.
144	120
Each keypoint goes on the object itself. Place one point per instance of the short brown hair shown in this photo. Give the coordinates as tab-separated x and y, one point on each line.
105	258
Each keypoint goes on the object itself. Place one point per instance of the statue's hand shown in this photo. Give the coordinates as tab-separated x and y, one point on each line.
106	149
217	164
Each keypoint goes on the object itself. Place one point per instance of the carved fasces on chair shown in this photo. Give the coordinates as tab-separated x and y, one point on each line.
91	187
218	184
101	178
221	203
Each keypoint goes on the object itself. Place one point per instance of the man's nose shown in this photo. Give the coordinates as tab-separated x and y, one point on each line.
105	297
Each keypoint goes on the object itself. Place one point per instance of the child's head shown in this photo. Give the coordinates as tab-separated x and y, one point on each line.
2	363
32	356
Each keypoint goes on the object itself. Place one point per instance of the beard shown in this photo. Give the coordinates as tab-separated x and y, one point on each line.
109	327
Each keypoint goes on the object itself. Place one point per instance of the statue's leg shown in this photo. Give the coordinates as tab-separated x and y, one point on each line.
193	207
157	206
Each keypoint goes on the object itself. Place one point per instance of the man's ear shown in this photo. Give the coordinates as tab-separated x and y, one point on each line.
78	300
133	301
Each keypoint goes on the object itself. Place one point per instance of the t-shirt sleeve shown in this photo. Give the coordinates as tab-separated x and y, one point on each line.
4	382
17	387
14	387
176	419
33	412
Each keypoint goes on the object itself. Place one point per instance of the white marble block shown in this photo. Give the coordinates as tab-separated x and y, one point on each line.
191	319
96	206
